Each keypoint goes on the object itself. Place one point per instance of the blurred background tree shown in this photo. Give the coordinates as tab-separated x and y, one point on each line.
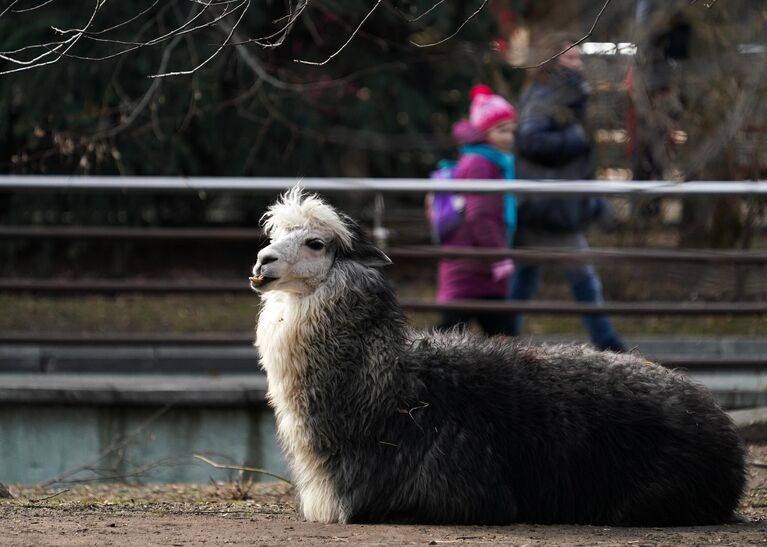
242	105
377	109
381	106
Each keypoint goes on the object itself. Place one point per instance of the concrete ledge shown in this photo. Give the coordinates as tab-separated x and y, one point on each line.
751	423
118	359
134	389
744	352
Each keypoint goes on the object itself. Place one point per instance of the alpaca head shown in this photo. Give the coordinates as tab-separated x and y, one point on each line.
307	237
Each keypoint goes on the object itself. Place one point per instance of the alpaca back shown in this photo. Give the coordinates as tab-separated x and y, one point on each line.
576	435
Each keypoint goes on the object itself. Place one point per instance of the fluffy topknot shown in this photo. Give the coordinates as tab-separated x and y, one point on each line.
296	210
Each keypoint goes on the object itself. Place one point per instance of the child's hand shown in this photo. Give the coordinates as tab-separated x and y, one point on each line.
502	269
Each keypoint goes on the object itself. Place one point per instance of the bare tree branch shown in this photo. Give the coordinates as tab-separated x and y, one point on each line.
241	468
8	7
246	4
70	42
127	21
574	44
480	8
284	31
144	102
114	446
33	8
353	34
425	13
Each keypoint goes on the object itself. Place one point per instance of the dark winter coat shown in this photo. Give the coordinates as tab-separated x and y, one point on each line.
552	143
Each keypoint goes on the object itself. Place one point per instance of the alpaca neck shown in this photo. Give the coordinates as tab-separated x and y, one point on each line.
298	332
315	348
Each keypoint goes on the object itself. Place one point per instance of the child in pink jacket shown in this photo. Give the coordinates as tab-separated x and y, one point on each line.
492	121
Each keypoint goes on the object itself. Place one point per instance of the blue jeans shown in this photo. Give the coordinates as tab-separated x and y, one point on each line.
585	286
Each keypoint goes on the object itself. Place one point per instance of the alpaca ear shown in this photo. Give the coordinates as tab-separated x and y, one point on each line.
363	250
372	256
365	253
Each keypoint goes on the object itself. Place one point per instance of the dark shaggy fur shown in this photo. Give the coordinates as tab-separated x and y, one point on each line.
457	428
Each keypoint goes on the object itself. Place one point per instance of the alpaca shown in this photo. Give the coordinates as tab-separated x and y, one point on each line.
382	423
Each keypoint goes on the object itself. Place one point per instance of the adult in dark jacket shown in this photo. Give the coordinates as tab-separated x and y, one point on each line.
552	143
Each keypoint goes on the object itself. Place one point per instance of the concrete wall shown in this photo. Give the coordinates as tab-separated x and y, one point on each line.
143	444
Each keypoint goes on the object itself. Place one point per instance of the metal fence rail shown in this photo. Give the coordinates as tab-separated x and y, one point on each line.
129	233
654	188
553	254
99	286
613	308
530	254
14	183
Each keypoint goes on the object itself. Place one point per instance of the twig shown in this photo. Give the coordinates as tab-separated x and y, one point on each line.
246	5
762	465
144	102
23	10
413	20
126	22
113	447
410	412
69	42
292	17
389	444
8	7
353	34
574	44
240	468
480	8
49	497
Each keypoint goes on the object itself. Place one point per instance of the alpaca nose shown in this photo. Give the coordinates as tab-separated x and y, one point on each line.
266	257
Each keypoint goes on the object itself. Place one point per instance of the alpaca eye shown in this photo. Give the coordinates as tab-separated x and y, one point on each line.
315	244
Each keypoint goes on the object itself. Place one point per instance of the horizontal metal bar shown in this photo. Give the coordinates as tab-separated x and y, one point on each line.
708	362
612	308
520	187
63	287
117	286
532	254
558	254
130	233
128	339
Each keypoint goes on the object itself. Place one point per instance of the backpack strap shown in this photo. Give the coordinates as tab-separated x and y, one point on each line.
505	163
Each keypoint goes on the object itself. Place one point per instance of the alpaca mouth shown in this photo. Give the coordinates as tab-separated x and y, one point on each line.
258	282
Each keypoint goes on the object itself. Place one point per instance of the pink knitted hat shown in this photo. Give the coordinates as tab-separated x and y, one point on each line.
488	109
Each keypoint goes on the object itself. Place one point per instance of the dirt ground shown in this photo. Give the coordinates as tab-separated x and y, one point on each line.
185	515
